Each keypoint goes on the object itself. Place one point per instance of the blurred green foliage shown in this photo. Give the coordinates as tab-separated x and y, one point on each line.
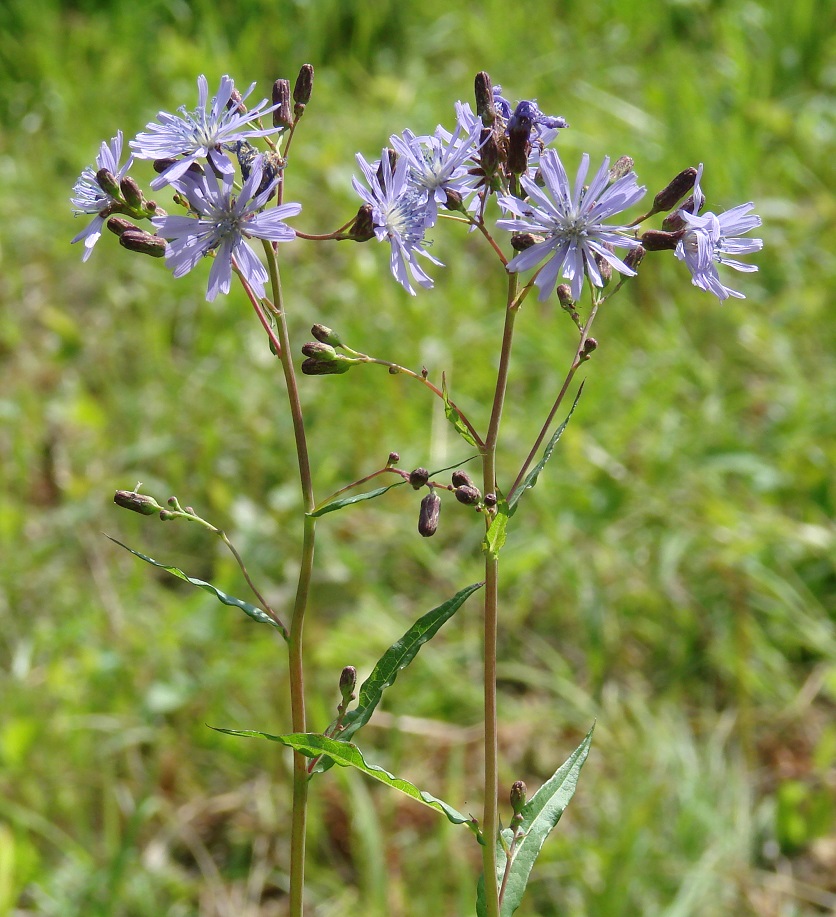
671	575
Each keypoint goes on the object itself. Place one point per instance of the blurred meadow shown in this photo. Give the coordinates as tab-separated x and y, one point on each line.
672	575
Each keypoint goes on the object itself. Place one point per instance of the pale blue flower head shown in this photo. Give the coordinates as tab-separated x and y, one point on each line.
88	196
399	216
710	238
224	222
571	220
200	134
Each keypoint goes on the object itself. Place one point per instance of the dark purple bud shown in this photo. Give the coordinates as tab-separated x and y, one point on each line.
490	500
589	346
160	165
634	257
389	161
484	99
656	241
348	679
304	85
117	225
520	241
394	458
418	478
468	495
519	128
675	190
428	515
489	153
314	367
283	115
324	334
518	793
236	103
673	222
362	229
107	182
621	167
138	503
131	193
137	240
461	479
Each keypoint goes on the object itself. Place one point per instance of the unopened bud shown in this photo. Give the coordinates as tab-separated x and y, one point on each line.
394	458
319	351
428	515
118	225
453	201
236	103
167	515
326	335
673	222
489	153
634	257
675	190
461	479
389	161
137	240
362	229
106	180
484	99
468	495
283	115
138	503
622	166
518	793
604	267
418	478
589	346
519	130
304	85
520	241
314	367
348	679
131	193
564	294
490	500
656	241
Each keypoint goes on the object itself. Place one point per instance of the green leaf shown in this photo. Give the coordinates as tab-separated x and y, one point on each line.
454	417
540	814
357	498
495	536
396	658
255	613
531	478
348	755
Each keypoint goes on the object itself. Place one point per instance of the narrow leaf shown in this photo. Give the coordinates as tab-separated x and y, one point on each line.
531	478
357	498
540	814
396	658
255	613
454	417
348	755
495	536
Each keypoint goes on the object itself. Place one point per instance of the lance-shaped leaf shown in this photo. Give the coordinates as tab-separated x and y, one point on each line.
255	613
495	536
396	658
357	498
347	754
540	814
531	478
454	416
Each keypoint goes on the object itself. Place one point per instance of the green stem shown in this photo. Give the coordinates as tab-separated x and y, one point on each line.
490	818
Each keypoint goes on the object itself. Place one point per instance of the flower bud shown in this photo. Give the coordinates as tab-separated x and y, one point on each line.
304	86
622	166
675	190
138	503
428	515
319	351
282	116
118	225
520	241
394	458
314	367
362	229
489	153
453	201
590	345
107	182
634	257
389	161
324	334
348	679
490	500
485	108
604	267
519	131
468	495
518	793
461	479
418	478
564	294
236	103
656	241
137	240
131	193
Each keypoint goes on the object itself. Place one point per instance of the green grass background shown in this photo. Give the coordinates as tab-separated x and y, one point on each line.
672	575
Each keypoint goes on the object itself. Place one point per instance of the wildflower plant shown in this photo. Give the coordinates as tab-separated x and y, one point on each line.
494	170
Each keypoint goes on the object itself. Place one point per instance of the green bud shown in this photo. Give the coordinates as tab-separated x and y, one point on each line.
107	182
518	793
131	192
326	335
319	351
138	503
348	679
314	367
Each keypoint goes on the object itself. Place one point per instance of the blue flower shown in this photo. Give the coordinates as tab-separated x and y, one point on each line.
571	218
710	237
88	196
199	134
399	216
224	223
